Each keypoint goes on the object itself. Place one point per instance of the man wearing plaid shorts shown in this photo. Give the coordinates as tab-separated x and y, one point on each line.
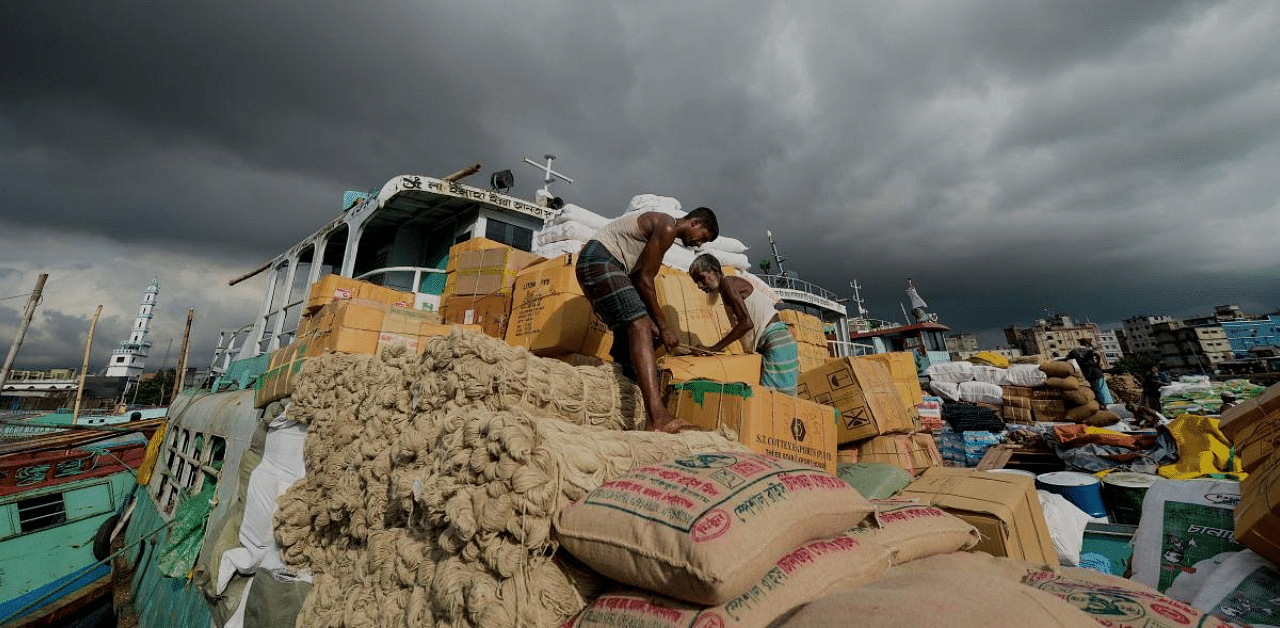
616	269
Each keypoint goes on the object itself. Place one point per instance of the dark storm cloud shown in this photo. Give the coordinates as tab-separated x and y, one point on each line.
1101	158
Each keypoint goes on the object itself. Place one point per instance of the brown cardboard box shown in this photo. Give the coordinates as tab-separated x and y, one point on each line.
1250	411
766	421
1017	396
1046	394
902	368
481	266
717	368
806	328
1049	410
491	312
1258	514
700	317
549	315
863	392
1255	442
1017	415
1002	506
332	288
847	454
359	326
277	381
912	452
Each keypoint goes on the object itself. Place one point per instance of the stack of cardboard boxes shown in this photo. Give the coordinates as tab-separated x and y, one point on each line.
877	397
1017	405
347	316
811	341
481	279
551	317
1254	430
701	317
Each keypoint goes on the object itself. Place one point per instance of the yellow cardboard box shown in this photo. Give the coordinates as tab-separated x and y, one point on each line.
863	392
481	266
700	317
1002	506
277	382
717	368
1258	515
551	317
491	312
912	452
332	288
363	327
766	421
902	368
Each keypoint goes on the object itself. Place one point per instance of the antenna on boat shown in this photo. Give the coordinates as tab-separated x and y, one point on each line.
544	195
777	259
857	298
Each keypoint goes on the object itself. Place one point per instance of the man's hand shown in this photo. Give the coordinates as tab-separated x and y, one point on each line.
670	340
702	350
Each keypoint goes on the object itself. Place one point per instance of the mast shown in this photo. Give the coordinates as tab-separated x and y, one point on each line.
84	367
22	329
182	356
777	259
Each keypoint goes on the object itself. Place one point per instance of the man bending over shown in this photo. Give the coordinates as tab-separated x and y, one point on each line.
756	323
616	270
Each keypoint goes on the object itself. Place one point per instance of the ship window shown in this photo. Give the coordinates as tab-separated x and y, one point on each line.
38	513
509	234
198	459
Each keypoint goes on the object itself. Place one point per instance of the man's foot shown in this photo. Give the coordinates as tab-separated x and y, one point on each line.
674	426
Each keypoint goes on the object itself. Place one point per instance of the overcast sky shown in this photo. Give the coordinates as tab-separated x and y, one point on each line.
1105	159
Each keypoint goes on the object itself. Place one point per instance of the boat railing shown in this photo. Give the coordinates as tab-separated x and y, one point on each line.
800	285
391	276
846	348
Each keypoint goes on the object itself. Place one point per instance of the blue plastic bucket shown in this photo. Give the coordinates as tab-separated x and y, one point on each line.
1081	489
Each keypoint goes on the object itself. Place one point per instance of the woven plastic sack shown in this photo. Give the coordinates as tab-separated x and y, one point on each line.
1026	375
950	372
703	528
912	531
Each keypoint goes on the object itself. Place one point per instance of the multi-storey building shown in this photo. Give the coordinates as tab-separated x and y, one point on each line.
1138	333
1054	338
1110	341
961	343
129	360
1185	349
1245	334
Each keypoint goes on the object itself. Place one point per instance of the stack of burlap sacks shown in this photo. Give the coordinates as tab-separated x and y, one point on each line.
1066	396
432	480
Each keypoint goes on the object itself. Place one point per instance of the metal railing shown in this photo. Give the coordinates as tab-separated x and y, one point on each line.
414	286
791	283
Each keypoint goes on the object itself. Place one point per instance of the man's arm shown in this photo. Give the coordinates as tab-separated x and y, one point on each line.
731	295
661	230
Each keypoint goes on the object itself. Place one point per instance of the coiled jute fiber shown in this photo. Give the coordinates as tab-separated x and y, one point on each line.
432	480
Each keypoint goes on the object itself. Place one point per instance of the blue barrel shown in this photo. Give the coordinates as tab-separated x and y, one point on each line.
1081	489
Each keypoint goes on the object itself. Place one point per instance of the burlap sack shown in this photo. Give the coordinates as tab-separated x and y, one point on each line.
801	576
1080	413
1079	396
1118	601
912	531
1062	383
704	528
921	593
1057	369
1101	418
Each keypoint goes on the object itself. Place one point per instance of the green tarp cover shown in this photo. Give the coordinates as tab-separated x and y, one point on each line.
182	546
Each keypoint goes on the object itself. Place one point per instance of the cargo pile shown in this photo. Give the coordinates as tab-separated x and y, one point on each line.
810	338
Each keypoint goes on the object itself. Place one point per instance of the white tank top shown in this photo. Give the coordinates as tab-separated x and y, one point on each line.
624	238
761	310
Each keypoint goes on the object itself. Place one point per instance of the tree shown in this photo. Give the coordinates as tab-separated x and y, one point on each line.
765	266
1135	364
156	390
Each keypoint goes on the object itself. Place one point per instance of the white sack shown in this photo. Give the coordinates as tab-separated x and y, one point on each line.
989	374
581	215
554	249
981	392
1027	375
950	372
655	203
566	231
1227	593
725	244
1066	524
1202	528
946	390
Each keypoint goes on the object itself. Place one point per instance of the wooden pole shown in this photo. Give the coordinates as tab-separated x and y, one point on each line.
182	356
22	329
84	366
250	273
461	174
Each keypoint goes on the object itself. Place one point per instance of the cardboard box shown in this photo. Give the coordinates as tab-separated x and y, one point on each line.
1017	396
277	381
766	421
1049	410
1002	506
1250	411
864	393
1257	517
1017	415
491	312
481	266
551	317
332	288
902	368
847	454
718	368
700	317
911	452
363	327
806	328
1255	442
929	410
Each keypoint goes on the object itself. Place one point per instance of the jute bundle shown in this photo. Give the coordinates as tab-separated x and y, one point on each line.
432	481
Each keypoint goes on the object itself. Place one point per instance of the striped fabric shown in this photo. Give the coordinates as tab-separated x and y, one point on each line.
780	367
607	285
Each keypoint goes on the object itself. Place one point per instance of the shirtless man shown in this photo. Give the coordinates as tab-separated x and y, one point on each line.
756	324
616	269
